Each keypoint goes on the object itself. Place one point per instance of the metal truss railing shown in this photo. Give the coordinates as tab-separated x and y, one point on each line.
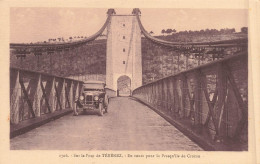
213	97
33	94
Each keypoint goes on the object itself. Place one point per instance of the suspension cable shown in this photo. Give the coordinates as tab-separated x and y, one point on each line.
130	45
74	43
136	12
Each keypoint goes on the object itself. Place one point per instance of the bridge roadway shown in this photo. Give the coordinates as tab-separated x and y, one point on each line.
128	125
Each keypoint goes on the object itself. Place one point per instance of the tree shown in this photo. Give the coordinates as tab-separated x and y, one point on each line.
222	31
214	31
196	32
233	30
163	31
244	30
168	31
207	31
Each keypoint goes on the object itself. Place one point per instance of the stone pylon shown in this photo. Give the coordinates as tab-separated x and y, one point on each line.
123	51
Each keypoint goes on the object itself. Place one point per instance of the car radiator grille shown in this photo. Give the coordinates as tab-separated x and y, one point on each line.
88	99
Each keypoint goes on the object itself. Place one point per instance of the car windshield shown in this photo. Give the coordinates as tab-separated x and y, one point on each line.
94	86
91	89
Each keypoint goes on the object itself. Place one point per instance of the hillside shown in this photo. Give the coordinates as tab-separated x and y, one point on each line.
158	61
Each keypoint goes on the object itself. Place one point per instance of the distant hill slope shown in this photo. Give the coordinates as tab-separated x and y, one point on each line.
87	59
201	37
157	61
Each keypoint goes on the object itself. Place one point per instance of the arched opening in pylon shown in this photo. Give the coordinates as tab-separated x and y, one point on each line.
124	86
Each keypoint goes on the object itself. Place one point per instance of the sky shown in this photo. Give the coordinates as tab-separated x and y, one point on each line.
39	24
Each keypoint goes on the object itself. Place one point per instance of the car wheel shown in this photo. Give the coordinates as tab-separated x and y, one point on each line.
100	109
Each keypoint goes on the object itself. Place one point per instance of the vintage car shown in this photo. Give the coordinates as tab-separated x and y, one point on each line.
92	98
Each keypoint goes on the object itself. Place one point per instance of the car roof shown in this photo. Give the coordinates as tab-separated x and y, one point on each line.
94	82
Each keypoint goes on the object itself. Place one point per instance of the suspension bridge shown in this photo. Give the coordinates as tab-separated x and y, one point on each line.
200	104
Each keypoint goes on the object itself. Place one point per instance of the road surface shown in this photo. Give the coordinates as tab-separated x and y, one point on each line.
128	125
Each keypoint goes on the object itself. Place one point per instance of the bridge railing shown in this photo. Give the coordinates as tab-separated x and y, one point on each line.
33	94
212	97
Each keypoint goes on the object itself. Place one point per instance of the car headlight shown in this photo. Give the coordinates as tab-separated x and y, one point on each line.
96	98
81	98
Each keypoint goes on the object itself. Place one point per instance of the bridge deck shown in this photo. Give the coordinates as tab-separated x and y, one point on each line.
129	125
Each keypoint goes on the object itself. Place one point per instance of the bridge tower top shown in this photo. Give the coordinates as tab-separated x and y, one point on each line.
111	11
136	11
